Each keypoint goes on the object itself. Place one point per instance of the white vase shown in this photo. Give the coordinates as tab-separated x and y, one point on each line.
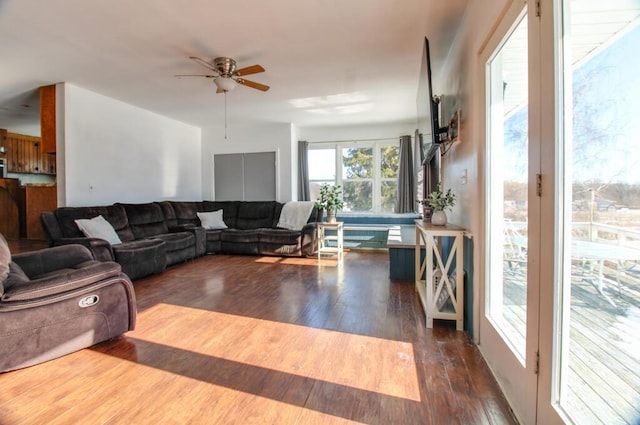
331	216
439	218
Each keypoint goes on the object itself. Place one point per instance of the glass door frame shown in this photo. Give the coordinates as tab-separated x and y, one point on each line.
519	382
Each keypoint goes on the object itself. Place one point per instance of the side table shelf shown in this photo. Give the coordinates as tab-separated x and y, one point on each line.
439	277
338	238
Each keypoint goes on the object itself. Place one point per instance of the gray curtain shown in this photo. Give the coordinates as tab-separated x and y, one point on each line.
303	171
406	201
418	158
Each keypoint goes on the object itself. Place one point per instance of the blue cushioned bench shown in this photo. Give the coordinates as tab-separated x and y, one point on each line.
402	244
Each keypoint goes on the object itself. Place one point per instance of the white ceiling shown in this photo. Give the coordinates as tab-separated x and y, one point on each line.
328	62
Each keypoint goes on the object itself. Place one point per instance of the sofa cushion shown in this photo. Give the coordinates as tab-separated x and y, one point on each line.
240	236
5	260
280	236
255	215
114	214
212	220
99	228
168	213
141	258
177	241
145	220
185	212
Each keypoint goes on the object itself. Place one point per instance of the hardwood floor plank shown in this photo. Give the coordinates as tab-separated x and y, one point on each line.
237	340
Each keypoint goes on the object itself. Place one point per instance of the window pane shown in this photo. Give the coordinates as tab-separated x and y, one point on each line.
389	195
322	164
389	162
314	188
600	360
357	163
357	195
508	187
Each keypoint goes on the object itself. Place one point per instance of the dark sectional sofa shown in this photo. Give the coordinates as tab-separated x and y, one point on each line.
158	234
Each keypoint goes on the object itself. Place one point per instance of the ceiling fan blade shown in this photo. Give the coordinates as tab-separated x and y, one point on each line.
252	84
203	63
253	69
194	75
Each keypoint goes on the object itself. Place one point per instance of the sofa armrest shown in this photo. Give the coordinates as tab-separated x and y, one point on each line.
181	227
309	239
61	281
37	263
100	248
198	232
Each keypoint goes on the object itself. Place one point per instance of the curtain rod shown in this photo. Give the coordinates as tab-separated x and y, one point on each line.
360	140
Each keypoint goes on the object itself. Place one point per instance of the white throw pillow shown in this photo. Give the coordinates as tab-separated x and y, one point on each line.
212	220
98	227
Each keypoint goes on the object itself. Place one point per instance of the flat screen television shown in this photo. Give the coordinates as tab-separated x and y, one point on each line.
431	159
437	132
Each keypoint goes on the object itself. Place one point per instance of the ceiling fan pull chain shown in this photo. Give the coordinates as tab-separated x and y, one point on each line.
225	115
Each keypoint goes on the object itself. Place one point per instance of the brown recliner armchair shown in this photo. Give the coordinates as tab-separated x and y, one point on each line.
59	300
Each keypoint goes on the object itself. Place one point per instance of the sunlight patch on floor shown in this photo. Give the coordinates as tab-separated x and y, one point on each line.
331	261
367	363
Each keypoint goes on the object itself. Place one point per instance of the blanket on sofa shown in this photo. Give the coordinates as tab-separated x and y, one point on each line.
295	214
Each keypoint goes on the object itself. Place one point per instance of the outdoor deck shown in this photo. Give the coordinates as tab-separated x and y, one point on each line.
603	379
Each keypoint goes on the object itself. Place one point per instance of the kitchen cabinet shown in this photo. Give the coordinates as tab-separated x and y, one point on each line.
24	155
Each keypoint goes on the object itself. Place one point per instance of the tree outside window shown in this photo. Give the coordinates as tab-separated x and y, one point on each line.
367	171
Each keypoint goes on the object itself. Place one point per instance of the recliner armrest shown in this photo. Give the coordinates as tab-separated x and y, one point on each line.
37	263
64	280
100	248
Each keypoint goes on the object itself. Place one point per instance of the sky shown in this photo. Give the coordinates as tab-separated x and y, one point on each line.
606	123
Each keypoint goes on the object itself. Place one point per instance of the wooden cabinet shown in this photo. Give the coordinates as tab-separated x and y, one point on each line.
10	208
37	200
48	163
3	143
24	155
48	119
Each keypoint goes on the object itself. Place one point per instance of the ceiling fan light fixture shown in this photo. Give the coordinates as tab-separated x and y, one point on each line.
225	83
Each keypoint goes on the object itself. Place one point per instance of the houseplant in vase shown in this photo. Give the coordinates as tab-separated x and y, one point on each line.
330	200
438	202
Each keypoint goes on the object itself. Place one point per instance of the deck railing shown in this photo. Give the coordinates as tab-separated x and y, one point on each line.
597	232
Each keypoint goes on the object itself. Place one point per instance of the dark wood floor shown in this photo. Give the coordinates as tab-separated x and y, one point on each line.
242	340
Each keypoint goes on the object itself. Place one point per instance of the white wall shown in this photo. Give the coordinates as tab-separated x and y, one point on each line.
116	152
364	132
249	139
462	77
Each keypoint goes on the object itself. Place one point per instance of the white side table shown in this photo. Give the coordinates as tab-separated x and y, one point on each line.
442	290
338	226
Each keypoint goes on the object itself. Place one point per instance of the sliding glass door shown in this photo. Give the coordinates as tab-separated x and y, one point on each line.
595	361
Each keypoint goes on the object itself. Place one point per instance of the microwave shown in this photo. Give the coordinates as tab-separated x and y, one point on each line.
3	168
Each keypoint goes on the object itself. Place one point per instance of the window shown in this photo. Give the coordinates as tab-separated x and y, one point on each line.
367	172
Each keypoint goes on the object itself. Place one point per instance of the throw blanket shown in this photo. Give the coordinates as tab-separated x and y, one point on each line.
295	214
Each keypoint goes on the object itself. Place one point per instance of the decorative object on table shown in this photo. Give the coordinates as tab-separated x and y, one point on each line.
438	201
330	200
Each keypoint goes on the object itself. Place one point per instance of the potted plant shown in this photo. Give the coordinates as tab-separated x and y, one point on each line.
438	201
330	200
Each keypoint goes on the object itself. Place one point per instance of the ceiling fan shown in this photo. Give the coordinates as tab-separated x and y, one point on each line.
226	75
